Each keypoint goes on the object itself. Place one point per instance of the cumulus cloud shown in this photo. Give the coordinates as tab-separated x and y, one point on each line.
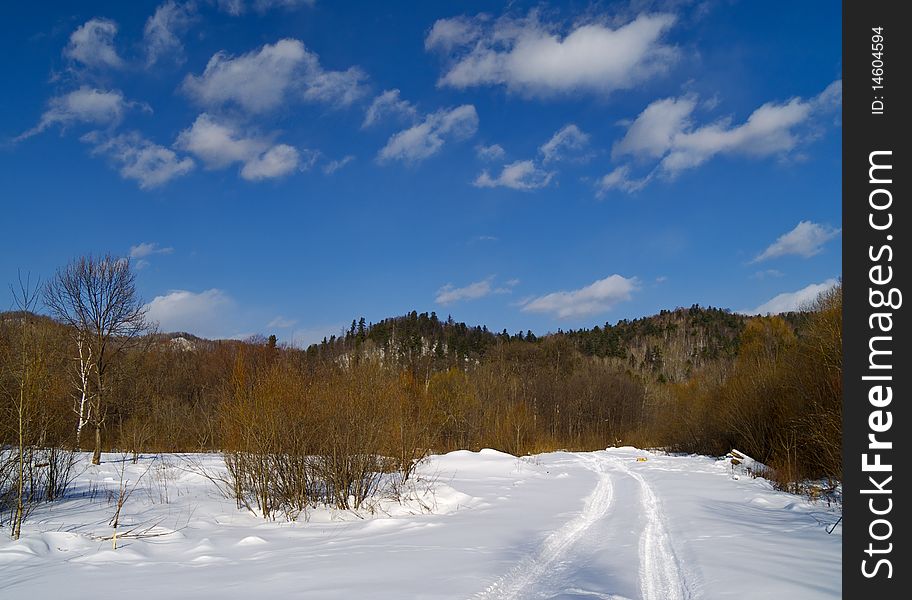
519	175
567	142
146	249
450	294
593	299
142	251
792	301
490	153
140	159
666	131
767	131
92	44
805	240
447	34
279	160
532	57
620	179
264	79
84	105
387	105
220	144
163	29
200	313
334	165
654	130
427	137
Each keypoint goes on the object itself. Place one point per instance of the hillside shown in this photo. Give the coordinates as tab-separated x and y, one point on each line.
670	346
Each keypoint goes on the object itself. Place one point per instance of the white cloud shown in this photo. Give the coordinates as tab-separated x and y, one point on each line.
767	131
590	300
620	179
507	287
163	29
805	240
92	44
531	57
447	34
218	144
264	79
792	301
144	249
140	159
520	175
198	313
332	87
388	105
427	137
653	131
567	142
232	7
334	165
479	289
490	153
221	144
279	160
665	131
258	81
84	105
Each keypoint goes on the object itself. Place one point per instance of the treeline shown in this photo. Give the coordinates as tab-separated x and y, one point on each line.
779	399
321	425
671	345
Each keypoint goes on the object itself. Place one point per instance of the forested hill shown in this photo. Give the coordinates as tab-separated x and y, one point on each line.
690	379
671	344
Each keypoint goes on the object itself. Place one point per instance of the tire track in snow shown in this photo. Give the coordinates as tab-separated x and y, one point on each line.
530	572
661	575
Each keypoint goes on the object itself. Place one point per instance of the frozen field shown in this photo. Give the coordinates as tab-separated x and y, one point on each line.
479	525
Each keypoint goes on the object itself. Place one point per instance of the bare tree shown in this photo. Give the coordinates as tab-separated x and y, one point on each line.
28	372
97	298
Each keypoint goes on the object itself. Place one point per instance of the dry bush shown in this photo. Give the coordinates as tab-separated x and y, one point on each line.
353	406
457	409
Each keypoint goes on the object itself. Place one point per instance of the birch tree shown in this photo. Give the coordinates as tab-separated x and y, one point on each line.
96	297
83	370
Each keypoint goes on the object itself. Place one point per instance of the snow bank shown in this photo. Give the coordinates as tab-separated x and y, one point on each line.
472	525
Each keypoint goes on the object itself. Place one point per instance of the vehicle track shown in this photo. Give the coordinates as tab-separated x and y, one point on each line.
661	574
530	573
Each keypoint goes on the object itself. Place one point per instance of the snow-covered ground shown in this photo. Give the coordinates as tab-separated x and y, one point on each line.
483	525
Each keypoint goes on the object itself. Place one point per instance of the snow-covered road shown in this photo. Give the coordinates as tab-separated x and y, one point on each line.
492	527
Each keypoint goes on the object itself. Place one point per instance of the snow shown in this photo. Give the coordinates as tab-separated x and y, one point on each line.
483	525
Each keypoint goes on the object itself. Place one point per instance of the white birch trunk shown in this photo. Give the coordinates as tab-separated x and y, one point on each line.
83	371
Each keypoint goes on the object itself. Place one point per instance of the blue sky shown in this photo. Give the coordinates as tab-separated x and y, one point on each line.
284	166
